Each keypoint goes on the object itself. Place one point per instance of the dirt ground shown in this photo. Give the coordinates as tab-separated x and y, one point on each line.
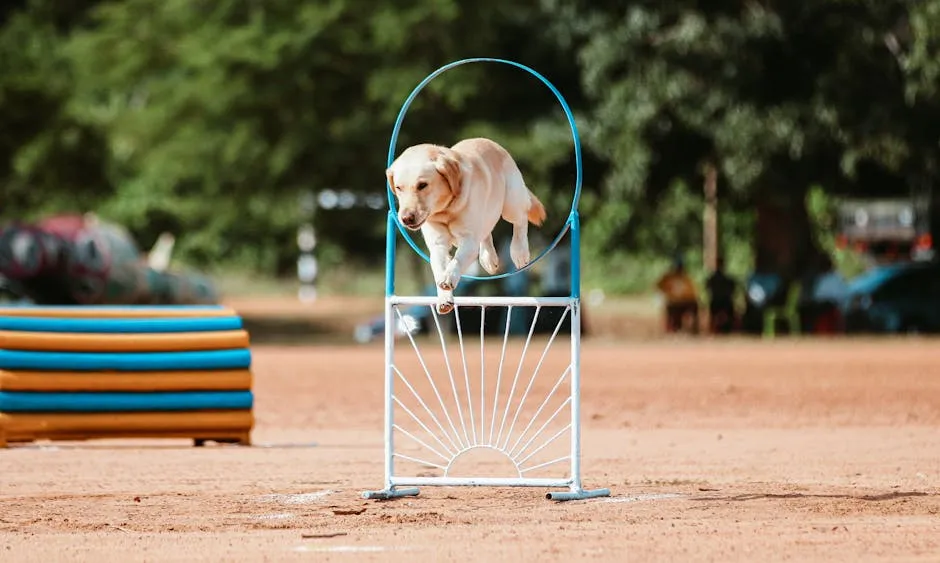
714	450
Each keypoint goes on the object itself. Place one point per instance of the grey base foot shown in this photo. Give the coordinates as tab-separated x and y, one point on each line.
579	494
390	493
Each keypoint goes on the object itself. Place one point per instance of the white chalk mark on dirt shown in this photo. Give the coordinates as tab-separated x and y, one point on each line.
279	516
639	498
302	498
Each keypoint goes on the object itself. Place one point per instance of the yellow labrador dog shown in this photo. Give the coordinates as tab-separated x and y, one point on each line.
455	196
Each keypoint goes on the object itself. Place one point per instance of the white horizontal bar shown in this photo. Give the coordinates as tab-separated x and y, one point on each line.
486	301
481	481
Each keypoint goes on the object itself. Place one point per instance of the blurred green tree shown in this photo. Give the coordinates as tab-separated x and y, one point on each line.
48	159
209	119
778	95
219	114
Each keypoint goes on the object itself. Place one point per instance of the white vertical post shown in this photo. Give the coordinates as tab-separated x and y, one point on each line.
576	394
389	390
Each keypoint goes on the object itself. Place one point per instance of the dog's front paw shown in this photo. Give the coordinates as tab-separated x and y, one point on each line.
450	279
444	306
445	285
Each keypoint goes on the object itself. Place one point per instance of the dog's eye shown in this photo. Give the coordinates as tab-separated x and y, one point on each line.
422	185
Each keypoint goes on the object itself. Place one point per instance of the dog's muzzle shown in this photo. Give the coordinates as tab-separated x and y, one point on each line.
410	220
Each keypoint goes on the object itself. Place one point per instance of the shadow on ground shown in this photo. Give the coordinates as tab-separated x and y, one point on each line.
873	498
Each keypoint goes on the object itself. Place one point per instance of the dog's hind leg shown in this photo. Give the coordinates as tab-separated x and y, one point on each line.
489	258
519	247
519	209
517	215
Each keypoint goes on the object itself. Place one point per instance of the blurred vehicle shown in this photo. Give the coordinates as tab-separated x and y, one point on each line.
888	230
897	298
79	259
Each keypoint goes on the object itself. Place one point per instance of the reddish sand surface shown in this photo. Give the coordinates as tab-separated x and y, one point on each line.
714	450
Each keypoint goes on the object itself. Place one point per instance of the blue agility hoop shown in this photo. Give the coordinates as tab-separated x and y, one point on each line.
577	155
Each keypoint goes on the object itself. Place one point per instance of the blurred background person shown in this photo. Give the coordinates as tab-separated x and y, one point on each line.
721	288
681	297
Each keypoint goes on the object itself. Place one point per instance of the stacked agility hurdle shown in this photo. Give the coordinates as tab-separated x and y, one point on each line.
86	372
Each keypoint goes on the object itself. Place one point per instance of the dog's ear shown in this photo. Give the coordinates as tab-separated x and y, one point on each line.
391	178
448	166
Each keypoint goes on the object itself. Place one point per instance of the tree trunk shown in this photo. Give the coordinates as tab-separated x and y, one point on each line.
784	242
710	225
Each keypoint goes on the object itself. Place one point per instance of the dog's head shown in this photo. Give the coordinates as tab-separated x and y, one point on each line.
425	179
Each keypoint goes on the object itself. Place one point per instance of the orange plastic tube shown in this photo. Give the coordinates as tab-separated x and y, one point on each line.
140	312
96	342
197	425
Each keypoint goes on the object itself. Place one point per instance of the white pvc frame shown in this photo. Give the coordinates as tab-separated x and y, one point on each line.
404	485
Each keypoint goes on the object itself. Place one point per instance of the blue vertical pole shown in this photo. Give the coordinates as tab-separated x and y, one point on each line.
575	229
390	255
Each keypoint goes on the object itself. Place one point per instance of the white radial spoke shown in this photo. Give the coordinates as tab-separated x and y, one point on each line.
535	373
424	426
543	446
482	374
466	378
457	444
421	442
499	373
546	464
421	461
515	379
547	442
431	380
538	411
453	386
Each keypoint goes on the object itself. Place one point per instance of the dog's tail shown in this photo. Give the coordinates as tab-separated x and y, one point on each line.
536	210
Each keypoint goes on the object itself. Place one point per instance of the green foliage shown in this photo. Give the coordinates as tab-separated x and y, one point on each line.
219	114
209	119
782	92
48	159
922	61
